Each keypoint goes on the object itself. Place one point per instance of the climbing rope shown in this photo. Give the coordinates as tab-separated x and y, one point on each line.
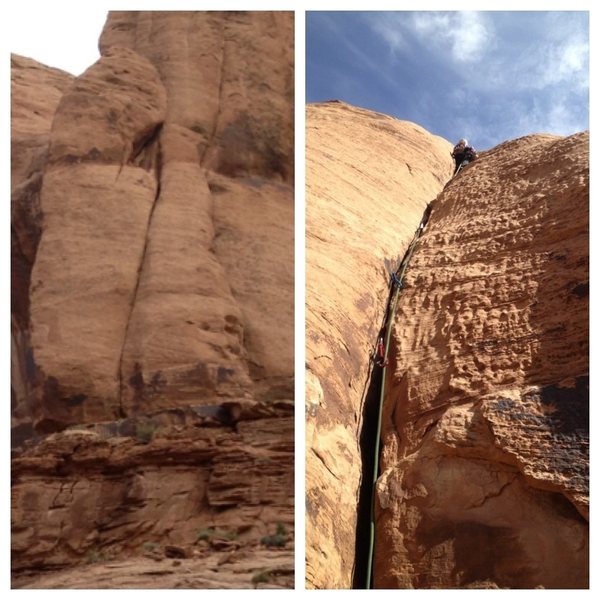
381	360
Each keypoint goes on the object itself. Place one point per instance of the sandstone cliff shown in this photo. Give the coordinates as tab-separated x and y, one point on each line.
483	473
484	470
35	93
369	178
153	302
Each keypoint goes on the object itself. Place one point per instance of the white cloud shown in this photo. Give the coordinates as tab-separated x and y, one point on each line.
550	65
569	63
470	37
574	56
389	26
547	65
557	115
486	76
564	120
431	23
467	34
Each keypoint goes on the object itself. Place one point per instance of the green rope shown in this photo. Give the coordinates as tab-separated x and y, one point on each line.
388	335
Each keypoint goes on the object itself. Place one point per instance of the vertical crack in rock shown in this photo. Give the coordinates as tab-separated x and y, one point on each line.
367	435
147	142
213	133
205	153
368	432
86	265
345	290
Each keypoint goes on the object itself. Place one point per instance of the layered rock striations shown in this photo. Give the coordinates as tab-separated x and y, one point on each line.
483	479
484	464
153	203
209	485
369	179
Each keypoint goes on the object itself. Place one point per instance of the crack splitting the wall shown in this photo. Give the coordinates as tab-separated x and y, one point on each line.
213	134
202	163
158	172
322	459
366	431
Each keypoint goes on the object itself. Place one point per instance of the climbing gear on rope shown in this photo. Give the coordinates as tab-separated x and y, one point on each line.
381	359
396	281
382	354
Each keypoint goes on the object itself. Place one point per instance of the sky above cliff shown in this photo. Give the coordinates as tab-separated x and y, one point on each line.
487	76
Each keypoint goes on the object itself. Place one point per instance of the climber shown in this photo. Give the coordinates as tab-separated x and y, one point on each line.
382	361
463	154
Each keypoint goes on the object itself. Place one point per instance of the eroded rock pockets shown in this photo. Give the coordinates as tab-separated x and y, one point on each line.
484	461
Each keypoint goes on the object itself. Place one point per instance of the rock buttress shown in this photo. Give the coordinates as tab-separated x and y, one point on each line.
96	204
216	322
36	91
485	424
184	293
369	179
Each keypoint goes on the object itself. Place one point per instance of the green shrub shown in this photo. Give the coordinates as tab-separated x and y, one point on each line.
278	539
150	546
144	432
94	557
273	540
261	577
206	533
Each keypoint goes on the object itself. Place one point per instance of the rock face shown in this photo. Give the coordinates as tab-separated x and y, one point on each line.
153	205
369	178
98	493
97	204
484	471
199	323
236	569
484	447
35	93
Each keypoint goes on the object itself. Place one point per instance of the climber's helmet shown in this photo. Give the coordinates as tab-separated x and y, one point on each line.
463	142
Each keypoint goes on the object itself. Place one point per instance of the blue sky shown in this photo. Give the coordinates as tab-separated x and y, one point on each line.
487	76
